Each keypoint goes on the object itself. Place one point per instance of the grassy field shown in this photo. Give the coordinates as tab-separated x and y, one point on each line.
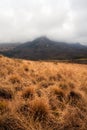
39	95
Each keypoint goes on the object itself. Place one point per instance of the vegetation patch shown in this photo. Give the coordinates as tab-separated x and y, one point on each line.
29	93
6	93
10	122
3	107
37	95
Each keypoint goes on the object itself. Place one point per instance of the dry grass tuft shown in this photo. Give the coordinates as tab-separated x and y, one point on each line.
59	93
74	98
3	107
25	110
11	123
29	93
15	79
6	93
41	109
74	119
36	110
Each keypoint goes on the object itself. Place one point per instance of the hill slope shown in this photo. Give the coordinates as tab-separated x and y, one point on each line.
42	95
45	49
8	46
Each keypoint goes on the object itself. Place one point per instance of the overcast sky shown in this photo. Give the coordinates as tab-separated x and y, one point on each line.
63	20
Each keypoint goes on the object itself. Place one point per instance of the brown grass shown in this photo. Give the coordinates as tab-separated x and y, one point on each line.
3	107
6	93
28	93
37	95
11	122
74	98
59	93
40	109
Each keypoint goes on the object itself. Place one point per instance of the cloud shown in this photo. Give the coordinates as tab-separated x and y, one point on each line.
79	15
22	20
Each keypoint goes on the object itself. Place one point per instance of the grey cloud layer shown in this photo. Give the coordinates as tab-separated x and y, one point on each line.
22	20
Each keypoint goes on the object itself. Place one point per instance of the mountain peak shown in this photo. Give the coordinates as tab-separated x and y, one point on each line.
42	39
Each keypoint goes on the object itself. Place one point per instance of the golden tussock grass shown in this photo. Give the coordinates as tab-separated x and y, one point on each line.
3	107
36	95
29	93
6	93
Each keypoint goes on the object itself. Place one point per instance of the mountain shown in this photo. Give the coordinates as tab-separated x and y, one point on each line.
43	48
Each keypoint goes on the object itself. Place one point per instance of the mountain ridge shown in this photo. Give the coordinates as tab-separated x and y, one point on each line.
43	48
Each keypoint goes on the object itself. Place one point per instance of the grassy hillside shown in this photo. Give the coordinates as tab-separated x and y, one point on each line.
38	95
